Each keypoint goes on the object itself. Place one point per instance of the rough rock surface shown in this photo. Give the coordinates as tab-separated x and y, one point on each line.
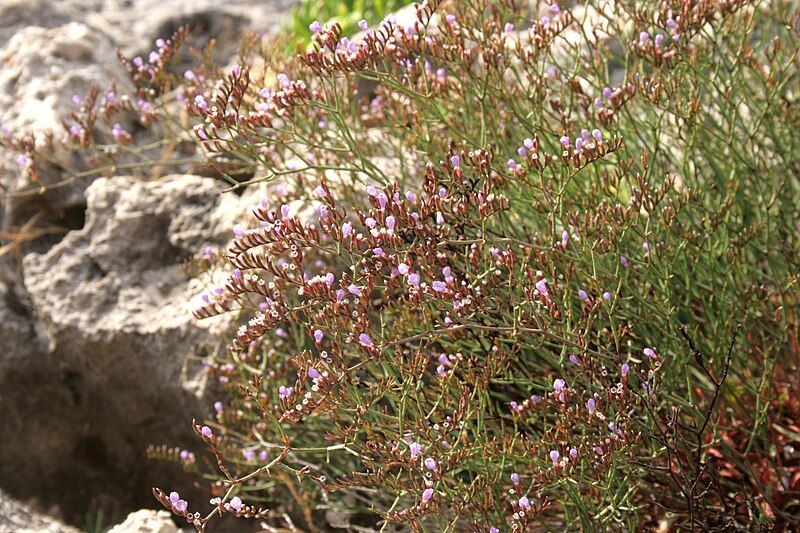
105	360
16	517
146	521
96	336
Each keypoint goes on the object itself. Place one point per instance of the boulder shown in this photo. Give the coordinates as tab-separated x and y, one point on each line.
16	517
146	521
105	359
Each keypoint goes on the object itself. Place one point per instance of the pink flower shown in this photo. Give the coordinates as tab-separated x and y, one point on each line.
430	463
427	494
415	449
524	503
554	456
206	432
559	384
649	352
318	335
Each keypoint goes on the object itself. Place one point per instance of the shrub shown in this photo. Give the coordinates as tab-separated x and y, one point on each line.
518	267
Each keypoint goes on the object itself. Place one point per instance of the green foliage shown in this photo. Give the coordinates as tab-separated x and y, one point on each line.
346	13
651	265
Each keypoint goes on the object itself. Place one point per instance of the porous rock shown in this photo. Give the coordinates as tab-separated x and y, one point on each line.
114	363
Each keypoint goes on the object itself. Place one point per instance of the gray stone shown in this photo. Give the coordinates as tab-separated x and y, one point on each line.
106	359
16	517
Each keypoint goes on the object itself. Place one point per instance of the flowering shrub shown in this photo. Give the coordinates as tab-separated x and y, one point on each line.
518	267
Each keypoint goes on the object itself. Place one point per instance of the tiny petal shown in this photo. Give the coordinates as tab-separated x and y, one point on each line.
430	463
318	335
649	352
554	456
515	478
206	431
524	503
427	494
365	340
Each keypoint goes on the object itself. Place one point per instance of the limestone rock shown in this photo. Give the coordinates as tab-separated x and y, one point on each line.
114	358
146	521
16	517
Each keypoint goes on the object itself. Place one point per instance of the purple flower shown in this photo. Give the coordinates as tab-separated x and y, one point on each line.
524	503
554	9
236	503
427	494
439	218
184	455
573	453
529	144
411	197
378	252
598	135
508	28
404	269
644	37
515	478
583	295
430	463
578	144
494	530
522	151
649	352
623	261
413	279
206	432
590	405
285	211
541	286
564	238
347	229
450	18
415	449
455	161
439	286
280	332
363	25
598	102
565	141
285	392
313	373
248	455
370	222
559	384
625	369
671	24
320	191
441	371
365	340
574	359
390	222
181	506
318	335
218	407
585	134
174	497
512	165
263	455
21	160
659	39
607	296
554	456
354	290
